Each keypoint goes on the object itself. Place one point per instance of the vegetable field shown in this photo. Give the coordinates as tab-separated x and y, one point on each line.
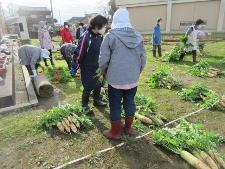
57	132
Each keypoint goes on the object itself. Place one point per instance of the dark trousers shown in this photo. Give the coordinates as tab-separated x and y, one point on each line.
51	60
159	50
194	55
29	69
67	58
68	61
86	94
117	97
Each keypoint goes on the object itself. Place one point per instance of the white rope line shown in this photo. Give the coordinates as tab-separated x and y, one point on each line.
124	143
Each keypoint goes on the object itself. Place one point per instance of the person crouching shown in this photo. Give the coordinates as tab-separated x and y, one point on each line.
30	56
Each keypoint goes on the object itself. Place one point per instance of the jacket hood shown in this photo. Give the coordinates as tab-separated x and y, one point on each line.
128	37
121	19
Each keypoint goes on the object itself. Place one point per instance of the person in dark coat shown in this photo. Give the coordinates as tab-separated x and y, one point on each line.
67	51
87	55
81	29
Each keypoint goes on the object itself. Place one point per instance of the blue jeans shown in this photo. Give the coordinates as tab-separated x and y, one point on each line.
117	97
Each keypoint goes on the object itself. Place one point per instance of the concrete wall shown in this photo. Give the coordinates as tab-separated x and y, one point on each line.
24	34
144	18
14	27
224	23
193	11
137	2
2	22
144	13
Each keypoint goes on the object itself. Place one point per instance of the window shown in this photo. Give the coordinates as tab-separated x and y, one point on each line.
186	23
21	27
189	23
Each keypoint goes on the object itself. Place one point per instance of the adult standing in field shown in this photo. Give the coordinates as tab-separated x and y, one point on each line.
86	56
74	30
192	42
30	56
156	38
66	34
122	59
81	29
45	41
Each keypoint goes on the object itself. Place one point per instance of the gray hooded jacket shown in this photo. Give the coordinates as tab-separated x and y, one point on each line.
29	55
122	56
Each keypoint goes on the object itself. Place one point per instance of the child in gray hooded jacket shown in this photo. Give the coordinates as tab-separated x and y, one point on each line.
122	59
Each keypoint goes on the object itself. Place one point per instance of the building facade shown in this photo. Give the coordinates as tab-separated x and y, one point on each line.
75	20
2	22
177	15
85	20
33	15
18	25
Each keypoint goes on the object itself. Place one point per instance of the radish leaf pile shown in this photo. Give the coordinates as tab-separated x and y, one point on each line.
162	78
49	120
199	93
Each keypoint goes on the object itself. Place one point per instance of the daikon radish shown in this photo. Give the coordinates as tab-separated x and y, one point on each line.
217	157
197	154
214	69
73	128
163	118
211	75
193	161
60	127
66	121
70	119
76	122
143	119
66	126
214	73
157	121
208	160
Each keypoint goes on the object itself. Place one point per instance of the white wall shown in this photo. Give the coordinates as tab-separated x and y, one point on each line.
145	18
24	35
224	22
145	12
194	11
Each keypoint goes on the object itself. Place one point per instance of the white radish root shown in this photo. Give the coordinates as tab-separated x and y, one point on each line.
193	161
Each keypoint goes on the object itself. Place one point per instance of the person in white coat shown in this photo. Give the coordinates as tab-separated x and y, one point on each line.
192	41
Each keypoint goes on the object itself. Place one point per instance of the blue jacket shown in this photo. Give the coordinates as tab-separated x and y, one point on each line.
156	36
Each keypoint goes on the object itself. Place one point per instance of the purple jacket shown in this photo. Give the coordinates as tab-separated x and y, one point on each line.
45	39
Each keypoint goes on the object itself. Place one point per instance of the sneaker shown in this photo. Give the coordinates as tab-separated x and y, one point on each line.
87	110
100	103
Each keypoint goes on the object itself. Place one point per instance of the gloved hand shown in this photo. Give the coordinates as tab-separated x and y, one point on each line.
34	73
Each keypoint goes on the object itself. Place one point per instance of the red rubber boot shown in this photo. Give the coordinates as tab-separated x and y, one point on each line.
128	125
115	131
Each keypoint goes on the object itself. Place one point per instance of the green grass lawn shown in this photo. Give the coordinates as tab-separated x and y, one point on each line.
25	146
